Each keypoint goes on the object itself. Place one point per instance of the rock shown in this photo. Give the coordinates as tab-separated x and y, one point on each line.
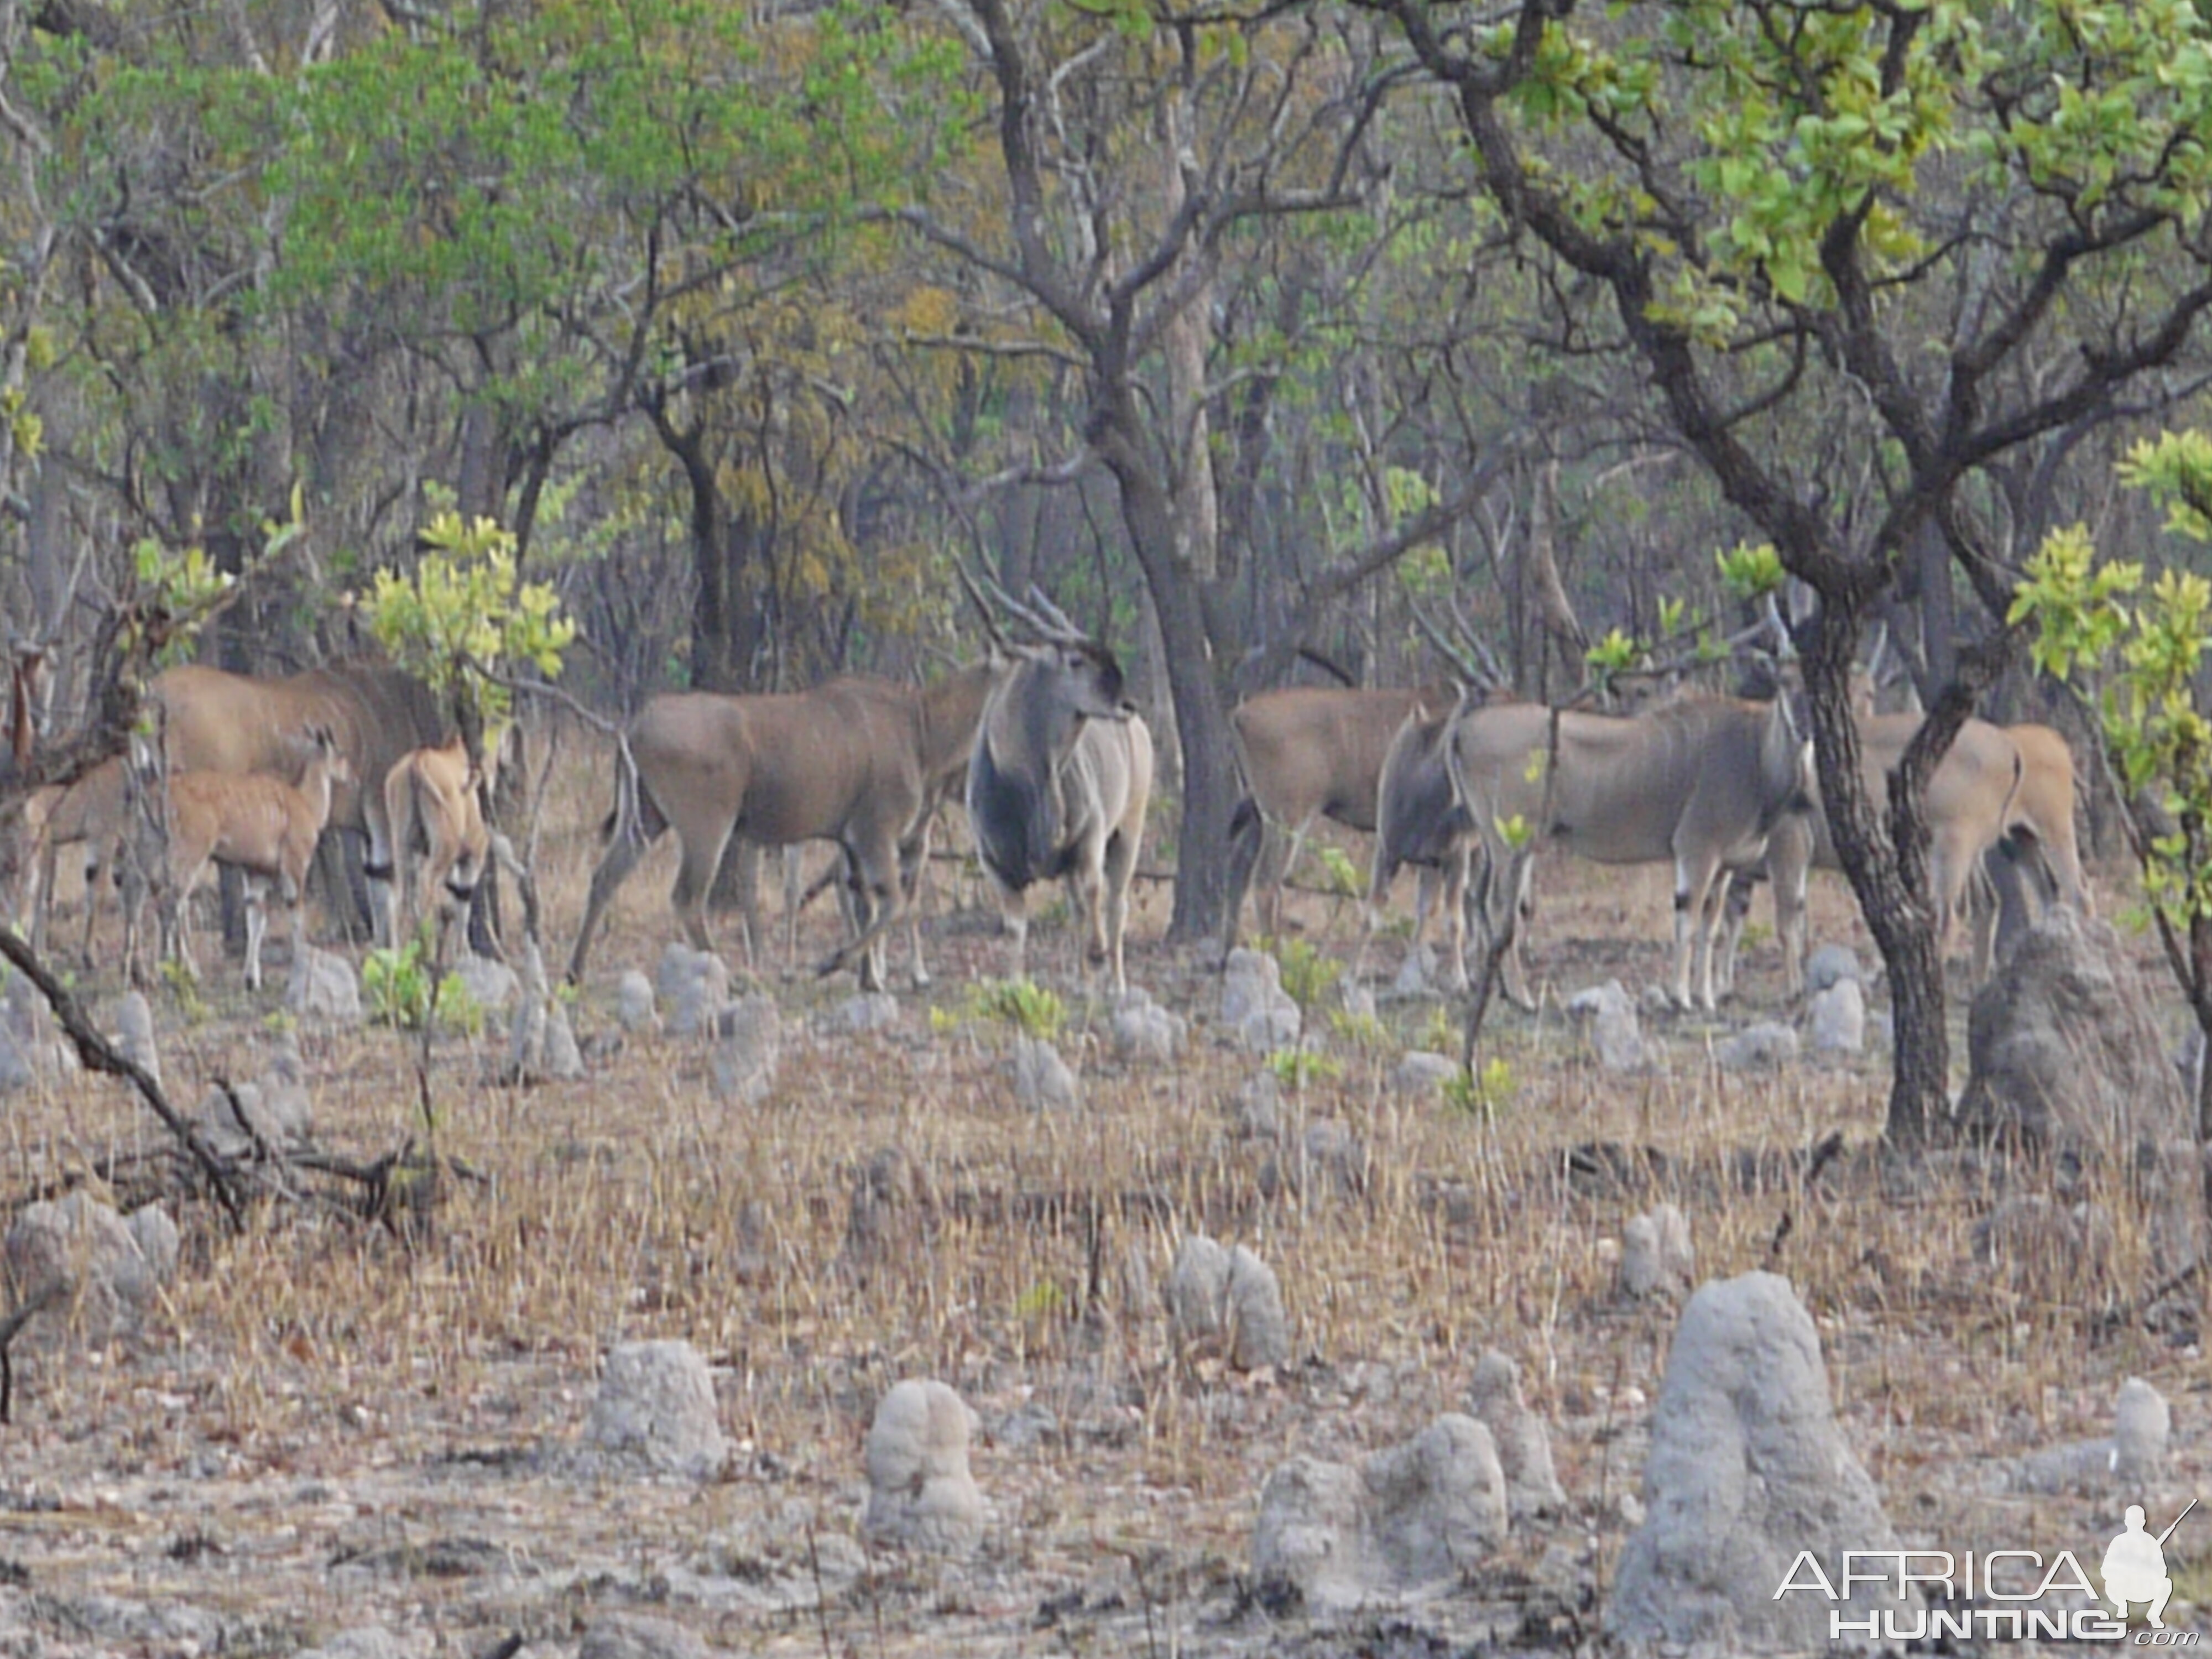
1831	965
1256	1112
16	1069
1411	1517
540	1046
1249	981
134	1034
694	984
1417	975
272	1113
1254	1004
1523	1442
159	1243
1762	1047
1335	1161
564	1061
634	1003
1042	1080
2140	1423
1422	1074
656	1410
1145	1030
1747	1468
1227	1299
893	1212
1656	1255
2038	1243
748	1048
2130	1463
920	1492
639	1636
323	986
1609	1014
869	1010
2066	1060
1436	1503
1836	1019
110	1281
490	985
363	1642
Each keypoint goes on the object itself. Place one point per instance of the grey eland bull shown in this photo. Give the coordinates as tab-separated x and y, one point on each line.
1060	781
1701	783
1305	753
1419	820
850	762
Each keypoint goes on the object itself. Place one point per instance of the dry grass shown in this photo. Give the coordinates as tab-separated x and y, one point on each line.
317	1391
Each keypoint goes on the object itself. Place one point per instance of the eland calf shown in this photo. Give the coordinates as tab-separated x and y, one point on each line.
87	812
261	826
440	843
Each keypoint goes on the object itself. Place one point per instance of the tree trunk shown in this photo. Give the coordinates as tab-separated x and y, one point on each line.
1891	882
1209	767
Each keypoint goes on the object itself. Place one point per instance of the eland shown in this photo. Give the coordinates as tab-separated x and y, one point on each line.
262	826
439	842
1702	783
1059	780
1306	753
853	762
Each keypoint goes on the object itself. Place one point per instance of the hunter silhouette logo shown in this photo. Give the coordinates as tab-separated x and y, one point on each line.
2135	1567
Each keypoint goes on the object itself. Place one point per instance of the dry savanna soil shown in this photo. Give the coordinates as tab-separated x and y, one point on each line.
329	1423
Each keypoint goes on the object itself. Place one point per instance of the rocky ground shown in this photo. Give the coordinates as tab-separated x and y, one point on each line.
323	1424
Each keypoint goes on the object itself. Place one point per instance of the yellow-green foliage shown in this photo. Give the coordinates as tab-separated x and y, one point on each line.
462	614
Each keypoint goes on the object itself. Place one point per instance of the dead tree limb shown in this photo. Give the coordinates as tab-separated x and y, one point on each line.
98	1054
47	1294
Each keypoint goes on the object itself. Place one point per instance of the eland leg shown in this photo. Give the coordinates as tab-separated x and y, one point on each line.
1120	868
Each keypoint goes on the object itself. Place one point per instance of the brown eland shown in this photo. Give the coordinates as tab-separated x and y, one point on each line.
1973	799
439	843
1303	754
850	762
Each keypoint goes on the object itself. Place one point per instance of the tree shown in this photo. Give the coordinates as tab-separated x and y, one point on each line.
1832	235
2138	658
1135	146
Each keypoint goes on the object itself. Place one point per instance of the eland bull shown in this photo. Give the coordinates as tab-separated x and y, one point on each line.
1419	820
1702	783
1058	787
1304	753
851	762
1975	797
235	725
